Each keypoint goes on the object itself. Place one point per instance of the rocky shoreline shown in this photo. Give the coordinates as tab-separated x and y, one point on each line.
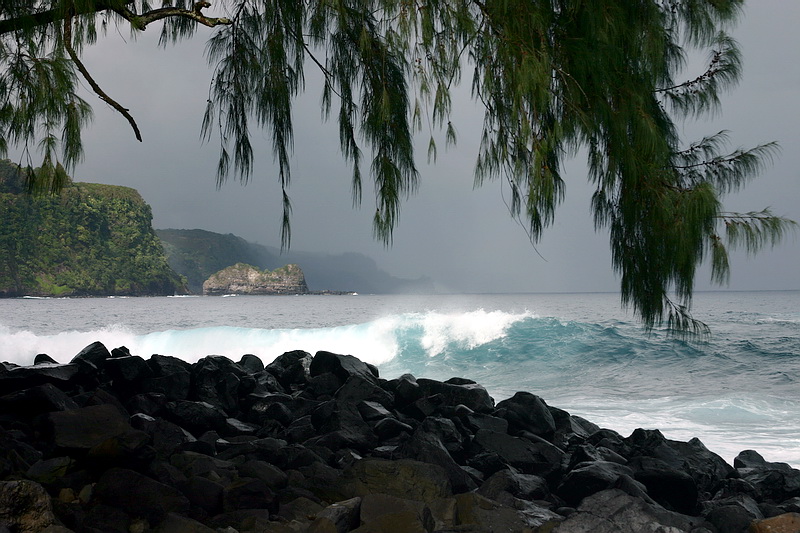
112	442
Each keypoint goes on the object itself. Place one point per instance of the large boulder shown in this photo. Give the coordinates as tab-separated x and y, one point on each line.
457	391
84	428
426	446
538	458
527	412
615	511
342	366
171	377
403	478
139	495
25	507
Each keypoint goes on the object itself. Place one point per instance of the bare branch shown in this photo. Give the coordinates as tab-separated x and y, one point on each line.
140	22
88	77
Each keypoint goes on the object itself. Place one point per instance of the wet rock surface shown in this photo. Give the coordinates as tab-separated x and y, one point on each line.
115	442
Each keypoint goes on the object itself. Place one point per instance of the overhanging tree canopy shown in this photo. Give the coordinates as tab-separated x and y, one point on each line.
553	76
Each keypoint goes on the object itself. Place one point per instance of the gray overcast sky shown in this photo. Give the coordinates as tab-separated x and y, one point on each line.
462	238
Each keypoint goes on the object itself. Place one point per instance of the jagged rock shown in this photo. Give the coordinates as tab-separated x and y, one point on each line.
48	471
784	523
249	493
589	478
358	389
175	523
484	514
391	427
244	521
340	426
291	368
196	417
25	377
127	373
251	363
731	518
614	511
273	476
43	358
457	391
569	427
528	412
197	464
426	446
478	421
674	489
165	436
774	485
371	411
36	400
753	459
339	517
217	380
203	493
692	458
106	519
406	389
96	353
588	453
171	377
239	446
300	430
84	428
390	514
404	478
138	495
537	458
247	279
25	507
342	366
524	486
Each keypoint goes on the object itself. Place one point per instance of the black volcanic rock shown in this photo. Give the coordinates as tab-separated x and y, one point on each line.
527	412
138	495
308	443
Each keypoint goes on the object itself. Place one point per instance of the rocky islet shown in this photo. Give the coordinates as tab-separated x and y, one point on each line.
112	442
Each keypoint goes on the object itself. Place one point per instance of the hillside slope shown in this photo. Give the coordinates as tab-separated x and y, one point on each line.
88	240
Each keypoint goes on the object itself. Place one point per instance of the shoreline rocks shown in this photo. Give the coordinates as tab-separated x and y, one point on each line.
112	442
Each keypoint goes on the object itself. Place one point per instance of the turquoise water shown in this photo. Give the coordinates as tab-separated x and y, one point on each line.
580	352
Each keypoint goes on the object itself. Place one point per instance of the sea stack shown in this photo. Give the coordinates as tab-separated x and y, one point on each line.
247	279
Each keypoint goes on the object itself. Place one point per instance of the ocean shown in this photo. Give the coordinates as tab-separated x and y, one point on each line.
738	390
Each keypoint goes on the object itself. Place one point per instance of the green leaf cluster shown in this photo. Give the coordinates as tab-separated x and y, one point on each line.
87	240
554	77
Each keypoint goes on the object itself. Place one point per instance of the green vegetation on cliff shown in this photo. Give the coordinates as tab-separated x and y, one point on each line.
88	240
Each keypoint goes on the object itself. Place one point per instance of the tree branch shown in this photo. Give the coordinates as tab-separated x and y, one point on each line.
88	77
141	21
54	15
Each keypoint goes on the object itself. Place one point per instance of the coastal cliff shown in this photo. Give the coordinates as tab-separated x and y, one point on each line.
247	279
87	240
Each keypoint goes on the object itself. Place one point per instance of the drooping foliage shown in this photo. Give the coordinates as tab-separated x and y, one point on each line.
554	76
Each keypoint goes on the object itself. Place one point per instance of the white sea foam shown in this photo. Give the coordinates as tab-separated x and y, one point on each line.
375	342
465	330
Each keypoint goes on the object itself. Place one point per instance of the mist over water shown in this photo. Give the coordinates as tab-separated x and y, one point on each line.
581	353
